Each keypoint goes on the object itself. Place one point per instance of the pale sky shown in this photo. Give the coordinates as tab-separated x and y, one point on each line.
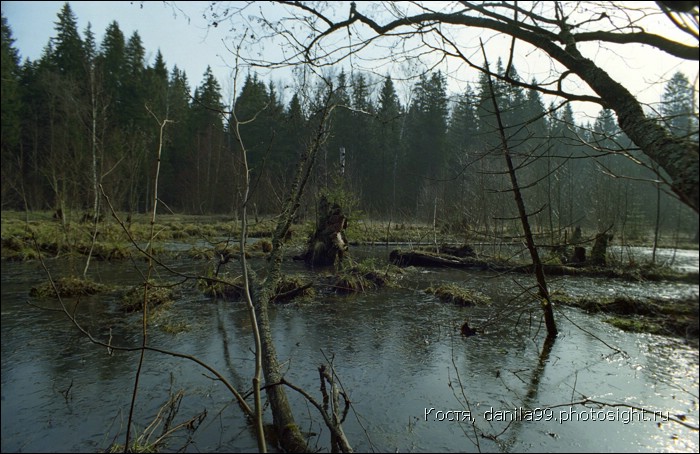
179	30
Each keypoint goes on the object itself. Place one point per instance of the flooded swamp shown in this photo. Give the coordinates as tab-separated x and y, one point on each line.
415	383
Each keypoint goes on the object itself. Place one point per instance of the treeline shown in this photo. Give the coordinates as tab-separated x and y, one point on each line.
86	116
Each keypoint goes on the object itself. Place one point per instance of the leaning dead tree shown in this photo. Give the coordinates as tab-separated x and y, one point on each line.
146	284
542	290
258	422
264	290
569	36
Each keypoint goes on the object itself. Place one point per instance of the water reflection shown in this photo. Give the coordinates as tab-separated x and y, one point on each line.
398	352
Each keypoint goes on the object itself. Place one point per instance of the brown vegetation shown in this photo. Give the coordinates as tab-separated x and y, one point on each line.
67	287
454	293
155	295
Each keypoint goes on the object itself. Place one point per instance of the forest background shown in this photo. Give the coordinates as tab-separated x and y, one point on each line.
82	116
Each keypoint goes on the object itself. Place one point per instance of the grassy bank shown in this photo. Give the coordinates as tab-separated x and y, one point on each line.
24	235
677	318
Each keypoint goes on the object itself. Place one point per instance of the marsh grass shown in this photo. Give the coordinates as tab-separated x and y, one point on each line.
456	294
224	287
649	315
293	286
363	276
156	295
68	287
24	239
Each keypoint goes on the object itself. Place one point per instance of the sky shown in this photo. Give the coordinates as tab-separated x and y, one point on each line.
179	30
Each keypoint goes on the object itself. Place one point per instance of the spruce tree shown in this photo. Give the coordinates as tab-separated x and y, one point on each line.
178	157
13	162
387	128
208	136
68	56
425	141
677	107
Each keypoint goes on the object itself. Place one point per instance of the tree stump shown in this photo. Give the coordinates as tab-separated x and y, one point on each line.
579	254
328	243
599	251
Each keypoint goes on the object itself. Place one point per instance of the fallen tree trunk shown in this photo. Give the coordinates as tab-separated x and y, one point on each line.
431	259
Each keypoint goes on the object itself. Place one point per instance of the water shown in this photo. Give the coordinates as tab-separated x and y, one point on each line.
680	259
397	351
